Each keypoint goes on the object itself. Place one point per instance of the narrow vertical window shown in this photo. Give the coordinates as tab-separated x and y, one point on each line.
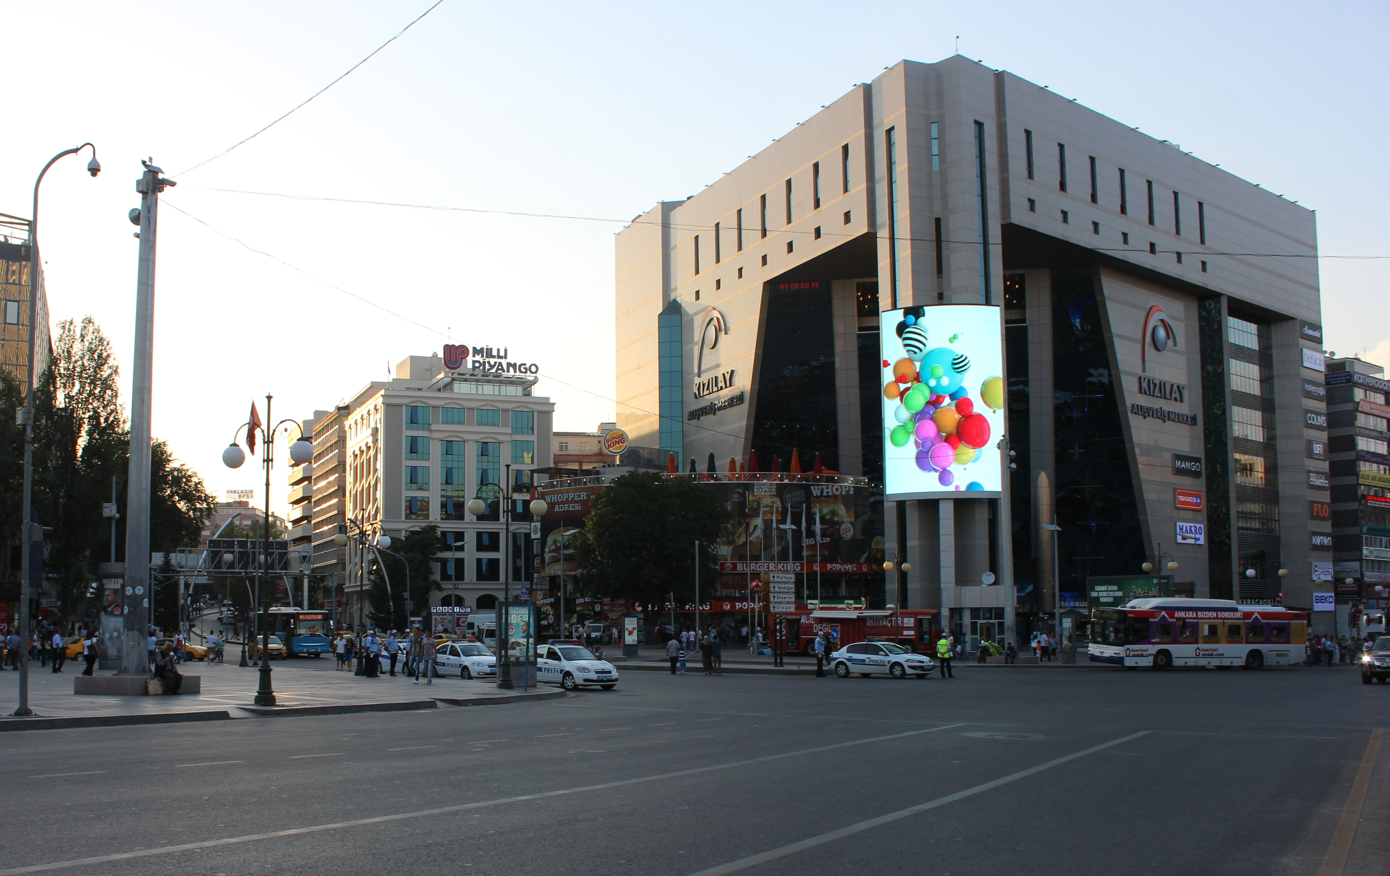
762	213
1028	150
789	202
1124	195
717	254
697	254
1095	186
1061	167
844	167
1202	223
891	144
738	230
815	186
983	207
940	251
935	146
1177	215
1150	184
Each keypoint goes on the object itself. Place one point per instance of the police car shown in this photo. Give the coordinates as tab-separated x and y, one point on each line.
571	665
468	659
879	658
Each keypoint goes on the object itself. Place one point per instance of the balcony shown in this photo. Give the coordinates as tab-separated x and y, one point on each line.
302	533
301	494
300	473
300	514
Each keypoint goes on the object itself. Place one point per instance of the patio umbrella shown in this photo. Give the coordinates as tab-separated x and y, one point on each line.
819	468
692	465
671	467
733	467
796	462
709	467
776	465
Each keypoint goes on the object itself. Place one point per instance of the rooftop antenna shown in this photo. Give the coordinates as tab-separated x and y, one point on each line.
957	44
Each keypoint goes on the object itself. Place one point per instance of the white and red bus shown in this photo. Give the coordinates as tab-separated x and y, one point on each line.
1177	631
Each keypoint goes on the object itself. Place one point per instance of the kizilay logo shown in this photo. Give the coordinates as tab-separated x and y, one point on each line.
1158	331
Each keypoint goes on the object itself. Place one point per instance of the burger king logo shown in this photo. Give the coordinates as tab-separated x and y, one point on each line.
615	441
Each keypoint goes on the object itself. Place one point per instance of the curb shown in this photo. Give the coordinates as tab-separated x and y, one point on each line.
110	720
297	711
502	700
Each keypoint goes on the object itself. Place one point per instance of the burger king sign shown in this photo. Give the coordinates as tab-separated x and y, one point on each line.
615	441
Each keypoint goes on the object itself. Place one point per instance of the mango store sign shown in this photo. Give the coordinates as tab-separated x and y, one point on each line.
485	360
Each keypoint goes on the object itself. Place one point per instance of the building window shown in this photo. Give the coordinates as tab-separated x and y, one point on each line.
1202	223
718	251
982	205
417	508
1153	248
940	249
1032	206
1061	167
417	418
815	186
740	273
1370	421
697	255
719	284
417	477
1124	237
453	416
764	261
1095	228
488	541
1360	393
814	234
489	569
1177	215
523	422
1179	255
453	480
671	380
935	146
789	201
523	452
1257	517
583	446
1250	470
1204	266
1015	299
738	230
489	417
1028	153
1249	378
417	447
762	214
562	447
1251	425
847	212
697	294
891	144
1372	445
11	313
1150	184
844	168
789	246
1246	334
1066	219
1124	195
1095	186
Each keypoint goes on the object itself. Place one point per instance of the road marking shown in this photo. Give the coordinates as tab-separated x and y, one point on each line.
671	724
702	720
486	741
63	775
850	830
1335	861
209	763
461	807
553	735
412	748
326	754
612	729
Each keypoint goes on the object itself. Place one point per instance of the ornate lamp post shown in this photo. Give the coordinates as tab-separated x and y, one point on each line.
478	507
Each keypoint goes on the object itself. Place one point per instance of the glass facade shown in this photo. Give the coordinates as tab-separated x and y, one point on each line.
474	387
417	508
523	452
796	387
1211	317
417	477
523	423
417	417
453	416
417	447
489	468
453	480
1251	368
670	360
1020	435
489	417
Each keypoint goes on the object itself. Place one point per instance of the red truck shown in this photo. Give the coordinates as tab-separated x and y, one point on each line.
914	629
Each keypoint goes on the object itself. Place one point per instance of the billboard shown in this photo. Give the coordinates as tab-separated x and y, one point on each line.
943	401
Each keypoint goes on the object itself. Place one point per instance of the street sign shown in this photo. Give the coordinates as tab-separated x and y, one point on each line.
782	578
50	603
788	589
535	529
783	608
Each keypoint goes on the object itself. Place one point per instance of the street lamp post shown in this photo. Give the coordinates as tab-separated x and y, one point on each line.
477	506
27	530
898	591
301	452
1056	581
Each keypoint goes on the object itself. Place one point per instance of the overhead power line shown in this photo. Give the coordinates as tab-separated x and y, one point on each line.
314	95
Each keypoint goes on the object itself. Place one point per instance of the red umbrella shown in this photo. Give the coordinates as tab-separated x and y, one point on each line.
753	461
671	463
733	467
819	468
743	471
776	465
796	462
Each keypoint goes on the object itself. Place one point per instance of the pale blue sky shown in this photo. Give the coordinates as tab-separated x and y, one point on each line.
588	109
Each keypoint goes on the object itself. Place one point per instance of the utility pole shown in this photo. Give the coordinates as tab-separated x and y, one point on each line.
134	658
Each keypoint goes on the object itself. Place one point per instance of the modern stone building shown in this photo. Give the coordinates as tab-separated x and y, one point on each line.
1152	308
1358	445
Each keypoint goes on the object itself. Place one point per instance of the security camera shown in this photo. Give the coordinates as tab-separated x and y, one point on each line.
134	215
94	166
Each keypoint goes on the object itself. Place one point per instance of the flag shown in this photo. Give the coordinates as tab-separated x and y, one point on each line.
252	426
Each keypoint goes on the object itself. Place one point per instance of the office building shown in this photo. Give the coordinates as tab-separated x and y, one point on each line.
1153	308
1358	447
15	286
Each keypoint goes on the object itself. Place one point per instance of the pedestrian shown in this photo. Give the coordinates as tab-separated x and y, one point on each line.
373	654
60	651
673	650
426	664
43	645
706	655
89	652
1010	654
680	658
12	645
166	672
717	655
178	647
150	647
392	650
819	646
349	651
943	655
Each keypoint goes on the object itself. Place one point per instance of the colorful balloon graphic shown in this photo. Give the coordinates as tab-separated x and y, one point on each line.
905	371
965	407
942	455
992	393
973	431
946	420
900	436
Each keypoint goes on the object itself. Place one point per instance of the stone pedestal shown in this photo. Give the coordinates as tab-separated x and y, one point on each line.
127	685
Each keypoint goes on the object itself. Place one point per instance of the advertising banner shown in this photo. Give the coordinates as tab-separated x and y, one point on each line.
943	401
1322	571
1188	500
1191	533
1324	602
629	631
1112	591
1314	360
1373	479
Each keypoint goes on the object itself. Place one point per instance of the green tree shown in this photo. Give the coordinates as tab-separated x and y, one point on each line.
409	595
638	542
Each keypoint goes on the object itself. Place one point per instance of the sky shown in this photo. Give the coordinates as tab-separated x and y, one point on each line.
584	110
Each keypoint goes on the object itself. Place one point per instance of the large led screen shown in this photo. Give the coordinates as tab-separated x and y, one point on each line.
943	401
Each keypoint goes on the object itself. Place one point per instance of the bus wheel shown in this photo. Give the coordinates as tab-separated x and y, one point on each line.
842	670
1163	660
1255	660
897	671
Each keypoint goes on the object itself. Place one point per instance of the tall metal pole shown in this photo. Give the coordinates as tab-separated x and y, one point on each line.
135	644
697	585
1056	588
265	694
504	669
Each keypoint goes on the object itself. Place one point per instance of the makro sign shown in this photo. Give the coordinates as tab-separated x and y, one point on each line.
486	360
1191	533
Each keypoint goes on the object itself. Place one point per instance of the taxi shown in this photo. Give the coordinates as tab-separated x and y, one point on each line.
190	650
468	659
275	650
571	665
879	658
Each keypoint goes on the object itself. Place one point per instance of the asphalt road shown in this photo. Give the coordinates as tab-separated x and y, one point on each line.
999	771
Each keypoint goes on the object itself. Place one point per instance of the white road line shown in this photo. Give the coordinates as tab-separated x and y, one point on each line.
611	729
553	735
412	748
209	763
486	741
850	830
62	775
671	724
325	754
461	807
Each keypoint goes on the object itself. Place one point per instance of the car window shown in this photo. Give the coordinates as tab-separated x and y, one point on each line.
552	654
474	651
450	651
892	648
876	650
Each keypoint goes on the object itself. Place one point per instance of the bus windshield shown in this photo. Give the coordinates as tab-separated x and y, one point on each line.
1113	626
304	627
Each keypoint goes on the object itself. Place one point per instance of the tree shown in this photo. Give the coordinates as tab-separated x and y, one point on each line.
420	548
638	542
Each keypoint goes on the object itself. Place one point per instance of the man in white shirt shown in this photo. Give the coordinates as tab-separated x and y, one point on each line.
392	650
60	651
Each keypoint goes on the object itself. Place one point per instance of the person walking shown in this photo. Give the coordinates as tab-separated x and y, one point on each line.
680	657
338	648
12	645
706	655
392	650
89	651
943	656
349	651
717	656
426	664
673	651
819	646
60	651
373	654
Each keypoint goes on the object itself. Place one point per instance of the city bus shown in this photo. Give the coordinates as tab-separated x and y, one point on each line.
1177	631
305	633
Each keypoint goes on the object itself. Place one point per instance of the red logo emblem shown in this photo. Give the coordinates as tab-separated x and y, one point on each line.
455	355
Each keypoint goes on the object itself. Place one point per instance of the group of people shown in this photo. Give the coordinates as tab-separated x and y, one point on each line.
1332	650
48	645
707	641
1044	647
416	652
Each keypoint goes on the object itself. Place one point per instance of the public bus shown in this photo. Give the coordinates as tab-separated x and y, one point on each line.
1177	631
304	633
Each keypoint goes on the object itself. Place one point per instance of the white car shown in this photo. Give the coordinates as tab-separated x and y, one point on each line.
573	665
468	659
879	658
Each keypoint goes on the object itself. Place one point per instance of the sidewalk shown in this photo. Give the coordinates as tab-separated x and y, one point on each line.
302	687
